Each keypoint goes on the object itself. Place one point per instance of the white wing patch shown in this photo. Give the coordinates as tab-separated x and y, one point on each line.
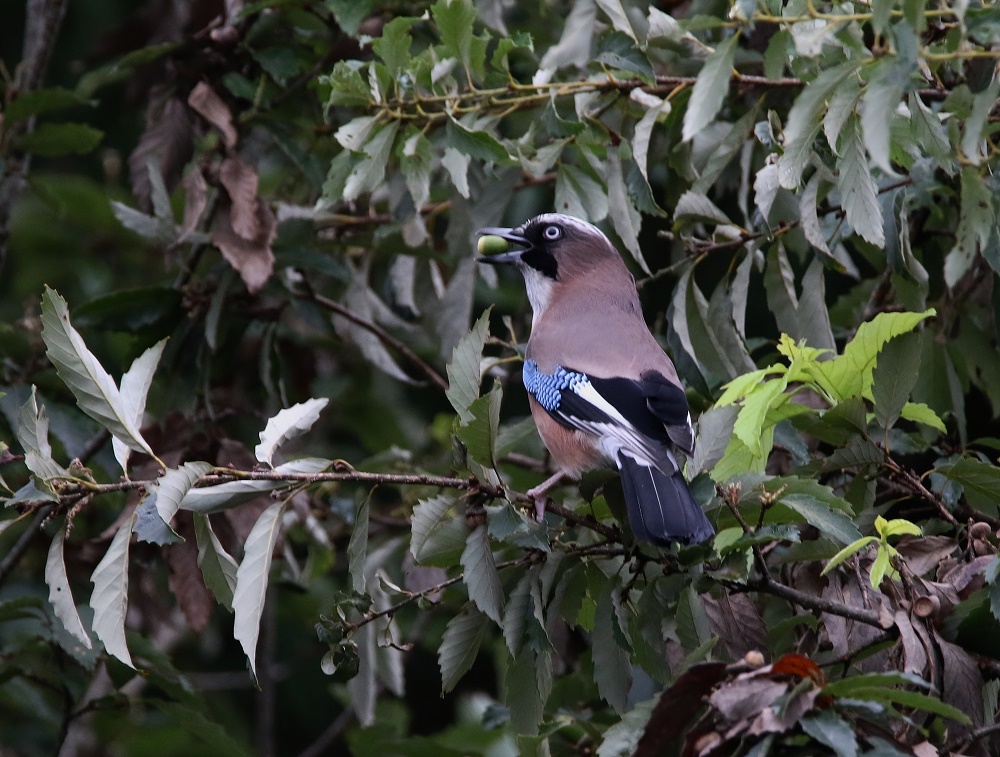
619	436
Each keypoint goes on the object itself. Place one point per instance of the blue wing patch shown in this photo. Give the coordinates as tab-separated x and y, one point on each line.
547	389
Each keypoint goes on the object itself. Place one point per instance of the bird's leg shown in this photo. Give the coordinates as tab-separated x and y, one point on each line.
539	494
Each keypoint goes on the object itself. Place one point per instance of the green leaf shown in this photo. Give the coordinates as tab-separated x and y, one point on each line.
881	98
213	499
346	85
612	669
912	699
615	12
918	412
369	173
350	13
55	140
480	434
520	610
981	482
150	527
817	513
287	424
479	145
695	207
827	727
894	377
480	574
193	721
710	88
171	488
801	317
460	645
896	527
252	579
39	101
528	684
859	195
135	385
803	122
750	427
850	374
110	597
218	567
976	223
850	549
463	370
879	568
618	52
357	547
416	162
60	594
974	128
393	47
95	391
455	19
580	194
428	516
32	431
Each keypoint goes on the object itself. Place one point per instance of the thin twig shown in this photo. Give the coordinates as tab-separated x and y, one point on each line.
384	336
768	585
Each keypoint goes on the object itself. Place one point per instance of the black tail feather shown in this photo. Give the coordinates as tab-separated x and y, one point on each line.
661	509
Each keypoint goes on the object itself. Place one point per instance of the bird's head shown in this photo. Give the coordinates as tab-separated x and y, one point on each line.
555	246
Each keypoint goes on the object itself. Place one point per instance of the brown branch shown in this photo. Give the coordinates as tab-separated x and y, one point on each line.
768	585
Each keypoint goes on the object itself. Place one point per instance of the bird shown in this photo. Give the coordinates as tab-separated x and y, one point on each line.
601	390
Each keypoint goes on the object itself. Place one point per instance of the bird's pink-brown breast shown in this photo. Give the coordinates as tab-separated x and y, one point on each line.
573	451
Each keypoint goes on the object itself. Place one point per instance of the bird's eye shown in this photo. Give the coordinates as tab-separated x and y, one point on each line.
552	232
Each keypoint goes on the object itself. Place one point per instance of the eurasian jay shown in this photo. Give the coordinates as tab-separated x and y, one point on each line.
601	389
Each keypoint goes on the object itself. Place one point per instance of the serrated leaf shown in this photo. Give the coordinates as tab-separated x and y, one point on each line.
357	547
150	527
454	19
428	516
110	597
213	499
879	102
463	370
817	513
803	122
750	425
32	431
696	207
827	727
618	17
612	669
710	88
171	488
159	231
626	220
857	188
480	145
135	385
808	216
980	482
976	223
95	391
918	412
480	574
39	101
60	594
850	374
460	645
252	579
369	173
528	684
218	567
580	194
479	435
287	424
393	46
894	377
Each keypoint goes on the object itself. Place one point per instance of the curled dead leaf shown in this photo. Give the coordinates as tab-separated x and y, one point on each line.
252	259
166	141
210	106
240	183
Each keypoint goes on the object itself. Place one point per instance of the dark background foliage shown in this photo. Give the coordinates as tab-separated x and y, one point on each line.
287	192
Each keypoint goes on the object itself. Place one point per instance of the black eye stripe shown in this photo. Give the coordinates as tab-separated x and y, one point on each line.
541	261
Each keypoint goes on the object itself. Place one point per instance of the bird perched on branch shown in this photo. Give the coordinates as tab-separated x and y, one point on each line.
601	389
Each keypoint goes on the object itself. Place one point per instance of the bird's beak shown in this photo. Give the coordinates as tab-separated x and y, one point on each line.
508	235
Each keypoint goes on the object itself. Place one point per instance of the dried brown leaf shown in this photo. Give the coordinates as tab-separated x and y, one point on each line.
848	636
240	182
914	655
252	259
210	106
186	582
735	620
961	682
968	577
167	140
746	697
925	553
677	706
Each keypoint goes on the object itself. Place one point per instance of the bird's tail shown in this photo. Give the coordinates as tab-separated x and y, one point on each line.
660	507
